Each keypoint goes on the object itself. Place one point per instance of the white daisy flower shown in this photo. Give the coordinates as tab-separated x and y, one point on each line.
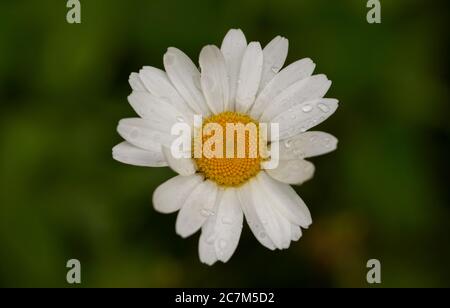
237	83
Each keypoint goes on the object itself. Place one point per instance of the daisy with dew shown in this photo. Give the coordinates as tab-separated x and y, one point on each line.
238	83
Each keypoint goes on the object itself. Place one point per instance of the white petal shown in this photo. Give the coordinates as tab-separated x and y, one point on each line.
296	232
275	54
186	78
171	195
249	77
233	48
145	134
306	89
284	198
182	166
206	249
308	144
214	79
129	154
159	85
249	207
288	76
226	225
136	83
296	120
275	224
196	209
294	171
151	108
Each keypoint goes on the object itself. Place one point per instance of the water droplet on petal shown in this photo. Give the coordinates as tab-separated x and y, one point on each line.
299	153
206	212
262	235
222	243
288	143
210	239
227	220
323	107
307	108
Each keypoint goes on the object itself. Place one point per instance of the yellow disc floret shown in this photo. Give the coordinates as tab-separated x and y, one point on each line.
230	157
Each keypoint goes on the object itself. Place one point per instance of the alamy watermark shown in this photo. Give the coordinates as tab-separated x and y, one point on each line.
74	13
374	274
235	140
73	275
374	14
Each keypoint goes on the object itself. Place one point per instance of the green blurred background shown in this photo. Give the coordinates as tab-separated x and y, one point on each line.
383	194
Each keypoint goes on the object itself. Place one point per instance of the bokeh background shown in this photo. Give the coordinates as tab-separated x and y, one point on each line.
383	194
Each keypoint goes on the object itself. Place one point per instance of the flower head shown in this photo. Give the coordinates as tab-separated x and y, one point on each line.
239	88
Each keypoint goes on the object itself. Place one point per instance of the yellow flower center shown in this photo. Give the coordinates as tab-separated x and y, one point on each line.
230	166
